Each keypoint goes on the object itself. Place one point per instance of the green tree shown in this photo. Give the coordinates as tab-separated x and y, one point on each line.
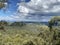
3	22
2	3
18	24
55	30
53	21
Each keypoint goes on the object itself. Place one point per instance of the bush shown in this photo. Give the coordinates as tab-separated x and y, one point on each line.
2	22
18	24
28	43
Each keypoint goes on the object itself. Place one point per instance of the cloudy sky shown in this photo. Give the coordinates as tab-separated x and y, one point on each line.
30	10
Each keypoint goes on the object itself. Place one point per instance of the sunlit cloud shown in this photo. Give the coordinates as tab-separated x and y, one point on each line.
38	7
33	9
41	6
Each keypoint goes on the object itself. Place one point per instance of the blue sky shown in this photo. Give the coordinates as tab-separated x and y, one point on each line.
10	9
30	10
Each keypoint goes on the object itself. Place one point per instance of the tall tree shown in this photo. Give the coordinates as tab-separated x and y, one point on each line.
54	21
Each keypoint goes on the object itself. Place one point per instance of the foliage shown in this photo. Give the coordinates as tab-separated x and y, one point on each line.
30	34
54	21
18	24
2	22
2	3
19	36
55	29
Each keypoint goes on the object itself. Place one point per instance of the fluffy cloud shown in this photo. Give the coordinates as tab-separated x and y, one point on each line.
35	8
40	6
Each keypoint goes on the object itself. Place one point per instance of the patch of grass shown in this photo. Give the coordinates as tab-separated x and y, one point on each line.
31	34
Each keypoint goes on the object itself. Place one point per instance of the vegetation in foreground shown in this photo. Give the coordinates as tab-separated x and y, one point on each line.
30	34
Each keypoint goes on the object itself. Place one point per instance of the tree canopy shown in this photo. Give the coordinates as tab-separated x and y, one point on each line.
2	3
53	21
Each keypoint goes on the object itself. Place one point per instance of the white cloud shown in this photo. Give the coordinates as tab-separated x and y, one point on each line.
41	6
37	6
5	18
10	18
58	0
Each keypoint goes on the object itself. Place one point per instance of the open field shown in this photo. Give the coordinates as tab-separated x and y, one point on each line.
31	34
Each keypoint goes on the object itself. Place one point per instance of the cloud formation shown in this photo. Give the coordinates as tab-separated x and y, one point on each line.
40	6
34	9
5	18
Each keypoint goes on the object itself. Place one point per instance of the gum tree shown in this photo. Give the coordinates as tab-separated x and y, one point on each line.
55	29
54	21
3	3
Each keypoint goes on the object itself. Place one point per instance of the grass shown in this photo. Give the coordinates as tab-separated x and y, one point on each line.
31	34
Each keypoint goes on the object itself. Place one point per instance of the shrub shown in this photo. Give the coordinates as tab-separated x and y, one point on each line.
18	24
